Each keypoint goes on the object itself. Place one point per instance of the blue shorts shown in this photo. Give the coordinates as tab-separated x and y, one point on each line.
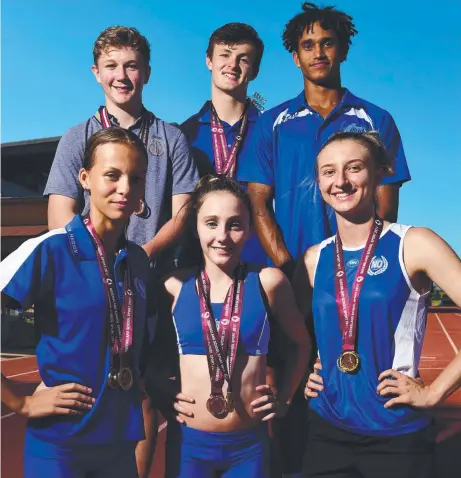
194	453
45	460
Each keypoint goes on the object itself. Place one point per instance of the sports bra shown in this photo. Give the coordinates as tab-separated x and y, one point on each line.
254	325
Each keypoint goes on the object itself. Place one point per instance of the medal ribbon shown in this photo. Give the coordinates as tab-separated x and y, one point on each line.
221	346
226	160
120	320
348	311
144	129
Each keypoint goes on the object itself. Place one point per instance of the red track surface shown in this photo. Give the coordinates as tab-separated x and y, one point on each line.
443	339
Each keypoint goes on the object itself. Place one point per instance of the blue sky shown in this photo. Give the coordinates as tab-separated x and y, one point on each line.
406	58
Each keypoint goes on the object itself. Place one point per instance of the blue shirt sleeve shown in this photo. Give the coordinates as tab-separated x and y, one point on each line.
28	271
390	136
259	166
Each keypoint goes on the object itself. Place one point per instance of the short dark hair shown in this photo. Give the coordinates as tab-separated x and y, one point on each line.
329	19
114	134
121	37
235	33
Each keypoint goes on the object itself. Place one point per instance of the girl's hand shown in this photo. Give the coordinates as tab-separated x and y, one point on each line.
268	403
66	399
314	383
181	398
409	391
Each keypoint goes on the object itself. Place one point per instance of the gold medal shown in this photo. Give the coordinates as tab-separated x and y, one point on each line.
349	361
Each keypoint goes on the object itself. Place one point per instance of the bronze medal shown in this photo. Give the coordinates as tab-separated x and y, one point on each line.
217	406
230	402
125	378
349	361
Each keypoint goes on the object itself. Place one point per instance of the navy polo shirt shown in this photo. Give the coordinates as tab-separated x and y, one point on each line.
197	130
59	273
286	141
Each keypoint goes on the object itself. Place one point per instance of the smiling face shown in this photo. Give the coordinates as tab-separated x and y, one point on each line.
223	226
319	55
115	181
232	67
348	177
122	73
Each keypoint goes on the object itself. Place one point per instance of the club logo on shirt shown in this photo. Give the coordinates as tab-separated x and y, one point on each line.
353	128
156	146
377	266
352	263
140	287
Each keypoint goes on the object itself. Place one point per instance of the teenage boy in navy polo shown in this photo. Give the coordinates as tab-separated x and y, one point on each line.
233	57
287	138
286	141
121	65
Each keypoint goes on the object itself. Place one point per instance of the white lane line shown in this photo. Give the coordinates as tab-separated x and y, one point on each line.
10	359
431	368
453	346
7	354
20	374
428	358
457	314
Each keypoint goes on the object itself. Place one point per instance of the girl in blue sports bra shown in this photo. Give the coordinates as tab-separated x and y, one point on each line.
88	286
368	287
221	316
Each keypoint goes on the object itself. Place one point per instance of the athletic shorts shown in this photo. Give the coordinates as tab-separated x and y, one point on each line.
84	461
196	453
335	453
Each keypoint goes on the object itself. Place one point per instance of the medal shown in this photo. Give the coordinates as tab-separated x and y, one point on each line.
221	347
230	402
217	406
125	378
349	360
112	381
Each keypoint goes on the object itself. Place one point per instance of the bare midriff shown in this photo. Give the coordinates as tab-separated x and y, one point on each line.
249	372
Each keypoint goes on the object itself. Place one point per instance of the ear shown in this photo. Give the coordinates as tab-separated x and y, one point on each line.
209	63
148	72
95	71
83	177
296	59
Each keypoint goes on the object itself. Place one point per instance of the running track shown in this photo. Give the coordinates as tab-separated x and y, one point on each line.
443	340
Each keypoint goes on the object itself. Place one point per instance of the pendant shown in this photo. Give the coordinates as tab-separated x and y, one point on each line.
217	406
125	378
349	361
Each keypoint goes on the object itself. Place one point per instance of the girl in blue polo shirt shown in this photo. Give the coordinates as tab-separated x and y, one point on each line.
221	314
87	285
369	288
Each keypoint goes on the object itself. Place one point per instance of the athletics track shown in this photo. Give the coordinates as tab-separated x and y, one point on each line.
443	340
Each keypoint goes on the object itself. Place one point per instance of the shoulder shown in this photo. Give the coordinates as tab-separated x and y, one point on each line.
79	131
272	279
191	124
377	113
274	115
174	281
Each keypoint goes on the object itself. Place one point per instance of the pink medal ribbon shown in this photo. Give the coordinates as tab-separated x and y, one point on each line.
225	159
120	319
221	346
349	360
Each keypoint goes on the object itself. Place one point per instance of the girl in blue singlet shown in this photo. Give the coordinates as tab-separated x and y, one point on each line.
221	315
88	288
368	287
